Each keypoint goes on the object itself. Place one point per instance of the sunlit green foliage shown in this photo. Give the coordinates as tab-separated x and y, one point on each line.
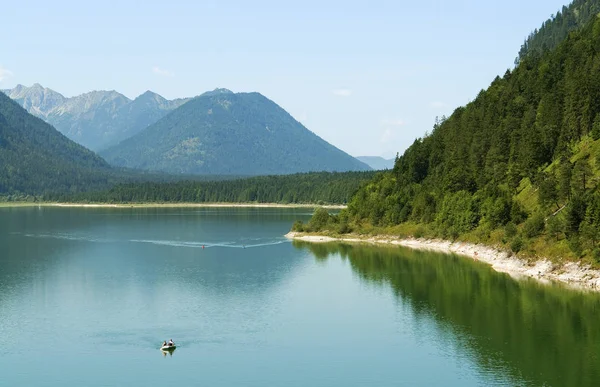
521	153
555	30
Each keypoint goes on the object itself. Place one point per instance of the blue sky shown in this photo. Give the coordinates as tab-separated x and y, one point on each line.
367	76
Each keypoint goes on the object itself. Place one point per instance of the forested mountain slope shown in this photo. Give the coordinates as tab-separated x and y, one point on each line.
223	133
518	165
136	116
555	30
35	158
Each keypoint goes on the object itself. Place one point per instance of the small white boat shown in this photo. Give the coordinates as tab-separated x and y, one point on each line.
168	347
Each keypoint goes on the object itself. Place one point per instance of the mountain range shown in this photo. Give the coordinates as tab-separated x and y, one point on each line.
97	119
221	133
224	133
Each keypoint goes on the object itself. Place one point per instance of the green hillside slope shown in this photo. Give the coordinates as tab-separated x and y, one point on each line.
134	117
518	166
35	158
224	133
555	30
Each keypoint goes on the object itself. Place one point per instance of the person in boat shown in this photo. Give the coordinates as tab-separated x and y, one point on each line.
164	344
171	343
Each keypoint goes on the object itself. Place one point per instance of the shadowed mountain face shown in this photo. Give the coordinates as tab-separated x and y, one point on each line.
97	119
36	158
225	133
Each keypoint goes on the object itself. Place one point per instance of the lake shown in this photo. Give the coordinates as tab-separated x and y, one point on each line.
87	296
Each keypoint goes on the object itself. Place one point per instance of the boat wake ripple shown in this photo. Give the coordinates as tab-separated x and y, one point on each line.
206	245
240	244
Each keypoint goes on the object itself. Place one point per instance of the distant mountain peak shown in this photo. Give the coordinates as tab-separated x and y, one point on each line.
148	93
218	91
35	88
226	133
37	99
102	94
151	96
222	91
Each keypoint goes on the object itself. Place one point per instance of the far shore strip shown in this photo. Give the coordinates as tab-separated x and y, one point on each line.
572	274
170	205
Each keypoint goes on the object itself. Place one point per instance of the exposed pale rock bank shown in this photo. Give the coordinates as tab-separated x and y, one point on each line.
571	273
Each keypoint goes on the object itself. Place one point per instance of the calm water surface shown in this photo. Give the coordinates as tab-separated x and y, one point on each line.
88	295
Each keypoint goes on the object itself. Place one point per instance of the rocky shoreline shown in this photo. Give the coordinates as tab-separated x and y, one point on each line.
572	274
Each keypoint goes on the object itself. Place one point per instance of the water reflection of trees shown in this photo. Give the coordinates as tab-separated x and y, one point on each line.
546	335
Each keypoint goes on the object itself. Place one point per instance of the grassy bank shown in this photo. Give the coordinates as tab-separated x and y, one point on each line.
519	241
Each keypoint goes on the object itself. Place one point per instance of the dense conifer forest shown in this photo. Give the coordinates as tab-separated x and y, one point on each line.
554	30
518	166
309	188
35	158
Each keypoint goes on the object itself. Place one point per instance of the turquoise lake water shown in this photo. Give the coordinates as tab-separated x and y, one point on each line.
88	295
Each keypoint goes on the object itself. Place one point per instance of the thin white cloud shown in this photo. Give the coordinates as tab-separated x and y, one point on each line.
392	122
390	129
342	92
162	72
387	135
438	105
5	73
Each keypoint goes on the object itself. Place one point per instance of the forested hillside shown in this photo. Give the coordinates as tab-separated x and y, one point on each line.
517	166
134	117
555	30
38	161
324	188
35	158
225	133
